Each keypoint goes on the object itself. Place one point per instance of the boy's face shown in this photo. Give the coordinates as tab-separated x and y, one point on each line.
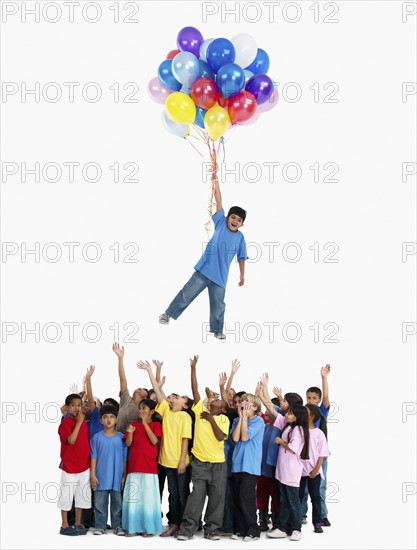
108	421
139	394
313	398
234	222
217	406
236	401
74	407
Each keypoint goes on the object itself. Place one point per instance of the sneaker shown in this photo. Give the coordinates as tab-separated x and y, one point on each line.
325	522
236	536
250	538
304	520
318	528
183	536
211	535
100	532
276	534
218	335
69	531
119	532
296	535
80	529
164	319
225	533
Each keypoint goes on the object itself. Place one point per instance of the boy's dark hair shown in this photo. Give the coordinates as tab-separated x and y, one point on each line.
108	409
239	393
71	397
315	411
112	403
275	401
293	399
238	211
301	414
314	389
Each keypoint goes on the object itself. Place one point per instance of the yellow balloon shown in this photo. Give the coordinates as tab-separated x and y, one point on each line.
180	108
216	121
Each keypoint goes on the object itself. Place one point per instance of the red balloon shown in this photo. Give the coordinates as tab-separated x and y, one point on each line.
242	107
204	92
172	54
223	102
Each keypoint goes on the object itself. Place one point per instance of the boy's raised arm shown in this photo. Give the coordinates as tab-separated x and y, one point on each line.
217	193
235	368
120	351
324	385
194	384
160	381
90	396
145	365
222	382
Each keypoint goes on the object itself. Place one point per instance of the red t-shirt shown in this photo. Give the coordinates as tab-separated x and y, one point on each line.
142	454
75	458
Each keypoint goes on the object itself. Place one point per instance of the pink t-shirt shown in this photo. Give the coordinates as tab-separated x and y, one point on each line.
317	448
289	464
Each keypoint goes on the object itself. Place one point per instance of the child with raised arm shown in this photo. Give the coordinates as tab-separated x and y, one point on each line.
312	468
314	396
75	466
108	472
212	269
141	502
247	433
128	408
208	469
173	455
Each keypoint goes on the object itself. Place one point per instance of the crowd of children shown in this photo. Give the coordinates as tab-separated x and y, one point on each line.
245	465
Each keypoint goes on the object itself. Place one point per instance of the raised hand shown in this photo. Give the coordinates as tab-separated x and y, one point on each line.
277	392
258	389
162	382
210	394
144	365
158	364
119	351
222	378
90	372
193	361
264	379
73	388
324	371
235	366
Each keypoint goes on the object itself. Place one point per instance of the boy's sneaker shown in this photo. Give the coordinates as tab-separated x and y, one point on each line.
220	336
211	535
276	534
318	528
183	536
296	535
325	522
304	520
69	531
164	319
80	529
250	538
236	536
119	532
100	532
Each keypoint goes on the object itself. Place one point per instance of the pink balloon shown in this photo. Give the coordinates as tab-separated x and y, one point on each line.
158	91
253	118
270	103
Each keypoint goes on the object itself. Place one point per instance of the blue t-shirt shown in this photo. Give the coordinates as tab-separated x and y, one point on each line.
247	455
269	448
324	412
220	251
94	424
110	453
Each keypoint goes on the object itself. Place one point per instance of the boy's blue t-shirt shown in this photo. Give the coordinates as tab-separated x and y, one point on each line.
269	448
324	412
110	453
94	424
220	251
247	455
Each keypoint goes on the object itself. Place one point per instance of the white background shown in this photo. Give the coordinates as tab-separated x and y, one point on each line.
369	293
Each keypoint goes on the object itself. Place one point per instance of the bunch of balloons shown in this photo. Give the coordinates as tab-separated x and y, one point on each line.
214	84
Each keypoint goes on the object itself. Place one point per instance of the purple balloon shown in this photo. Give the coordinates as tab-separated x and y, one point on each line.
261	87
189	39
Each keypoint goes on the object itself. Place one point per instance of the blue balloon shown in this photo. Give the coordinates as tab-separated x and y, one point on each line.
166	76
220	52
261	63
199	117
261	86
230	79
205	70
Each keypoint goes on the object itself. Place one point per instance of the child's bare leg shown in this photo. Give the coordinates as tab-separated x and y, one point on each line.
78	512
64	516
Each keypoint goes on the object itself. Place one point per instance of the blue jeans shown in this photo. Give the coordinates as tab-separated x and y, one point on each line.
101	508
178	491
313	487
289	503
323	487
191	290
228	516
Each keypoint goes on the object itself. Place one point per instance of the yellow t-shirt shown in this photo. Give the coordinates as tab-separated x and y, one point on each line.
206	446
175	427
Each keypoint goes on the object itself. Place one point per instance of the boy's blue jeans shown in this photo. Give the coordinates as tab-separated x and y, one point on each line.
101	506
323	487
191	290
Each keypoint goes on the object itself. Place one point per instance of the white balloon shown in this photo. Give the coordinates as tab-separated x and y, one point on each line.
179	130
203	48
246	49
248	74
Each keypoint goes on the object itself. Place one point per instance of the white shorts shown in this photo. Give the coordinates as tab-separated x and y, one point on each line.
75	486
